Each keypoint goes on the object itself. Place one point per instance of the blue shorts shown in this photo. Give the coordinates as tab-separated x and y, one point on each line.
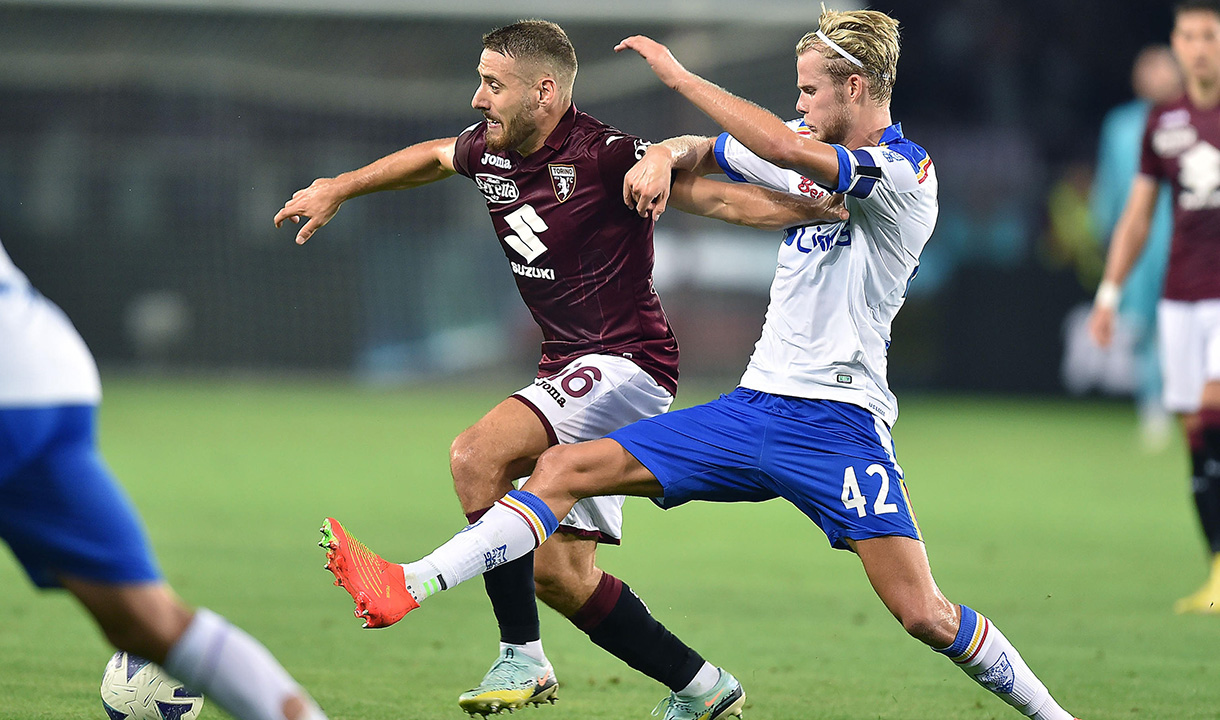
61	511
833	460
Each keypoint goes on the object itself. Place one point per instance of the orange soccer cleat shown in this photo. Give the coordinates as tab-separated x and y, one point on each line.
378	587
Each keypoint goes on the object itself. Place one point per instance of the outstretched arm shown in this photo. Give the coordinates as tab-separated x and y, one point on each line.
1126	246
756	128
751	205
410	167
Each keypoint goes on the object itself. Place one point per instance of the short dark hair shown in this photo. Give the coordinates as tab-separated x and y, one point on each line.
538	41
1184	6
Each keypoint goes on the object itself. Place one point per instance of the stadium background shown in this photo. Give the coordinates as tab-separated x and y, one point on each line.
254	387
147	144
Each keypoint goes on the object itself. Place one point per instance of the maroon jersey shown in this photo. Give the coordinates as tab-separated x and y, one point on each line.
582	259
1182	145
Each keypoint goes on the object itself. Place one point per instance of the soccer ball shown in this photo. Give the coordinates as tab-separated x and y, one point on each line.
135	689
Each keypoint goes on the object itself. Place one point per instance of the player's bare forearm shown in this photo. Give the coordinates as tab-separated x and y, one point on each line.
750	205
762	131
758	129
1126	245
691	152
1131	233
412	166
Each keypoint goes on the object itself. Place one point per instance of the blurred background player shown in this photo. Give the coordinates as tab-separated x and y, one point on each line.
70	524
553	177
1155	80
810	421
1181	146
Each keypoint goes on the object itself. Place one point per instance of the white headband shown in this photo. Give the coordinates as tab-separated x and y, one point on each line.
835	46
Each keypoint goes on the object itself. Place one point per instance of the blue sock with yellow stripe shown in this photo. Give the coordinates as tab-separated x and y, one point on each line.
983	652
513	527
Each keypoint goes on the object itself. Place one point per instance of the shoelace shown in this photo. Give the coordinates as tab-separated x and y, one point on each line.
501	674
671	701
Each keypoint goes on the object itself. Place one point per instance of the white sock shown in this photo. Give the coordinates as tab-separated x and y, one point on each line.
983	652
234	670
423	579
514	526
704	680
533	648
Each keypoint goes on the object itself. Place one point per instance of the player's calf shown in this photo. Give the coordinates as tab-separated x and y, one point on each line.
144	619
932	621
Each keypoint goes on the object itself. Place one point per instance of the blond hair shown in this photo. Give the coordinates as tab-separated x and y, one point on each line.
867	35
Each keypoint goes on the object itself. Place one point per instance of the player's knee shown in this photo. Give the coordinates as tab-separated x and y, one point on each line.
560	469
464	457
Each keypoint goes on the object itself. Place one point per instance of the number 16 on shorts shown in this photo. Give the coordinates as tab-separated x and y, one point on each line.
593	396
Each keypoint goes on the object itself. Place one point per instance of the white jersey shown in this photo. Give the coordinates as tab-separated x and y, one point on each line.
43	360
839	285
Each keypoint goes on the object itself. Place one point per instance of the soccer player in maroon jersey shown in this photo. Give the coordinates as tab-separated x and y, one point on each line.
552	177
1182	146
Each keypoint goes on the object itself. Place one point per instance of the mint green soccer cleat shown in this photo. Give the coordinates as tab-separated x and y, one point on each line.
725	698
514	680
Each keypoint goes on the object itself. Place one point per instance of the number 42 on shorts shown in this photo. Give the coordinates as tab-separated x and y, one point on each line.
853	498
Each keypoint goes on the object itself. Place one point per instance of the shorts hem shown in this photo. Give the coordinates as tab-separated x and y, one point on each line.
551	437
840	541
601	537
49	580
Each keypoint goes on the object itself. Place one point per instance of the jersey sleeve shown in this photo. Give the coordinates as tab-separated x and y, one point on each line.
742	165
899	169
1150	162
616	154
461	150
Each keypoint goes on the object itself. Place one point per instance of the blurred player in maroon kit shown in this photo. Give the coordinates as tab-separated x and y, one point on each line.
552	177
1182	146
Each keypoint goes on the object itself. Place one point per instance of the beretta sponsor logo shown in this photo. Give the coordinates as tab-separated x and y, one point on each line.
497	189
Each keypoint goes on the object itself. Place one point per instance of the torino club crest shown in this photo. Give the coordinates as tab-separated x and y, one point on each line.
563	179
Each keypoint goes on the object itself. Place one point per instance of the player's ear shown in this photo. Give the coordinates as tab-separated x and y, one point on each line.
857	86
546	90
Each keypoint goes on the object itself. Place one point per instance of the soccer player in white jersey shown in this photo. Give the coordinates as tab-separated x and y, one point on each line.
71	525
810	420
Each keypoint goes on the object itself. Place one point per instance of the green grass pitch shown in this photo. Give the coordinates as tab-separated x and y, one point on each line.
1044	515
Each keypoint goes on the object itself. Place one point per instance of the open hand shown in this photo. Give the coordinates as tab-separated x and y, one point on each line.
319	202
662	62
